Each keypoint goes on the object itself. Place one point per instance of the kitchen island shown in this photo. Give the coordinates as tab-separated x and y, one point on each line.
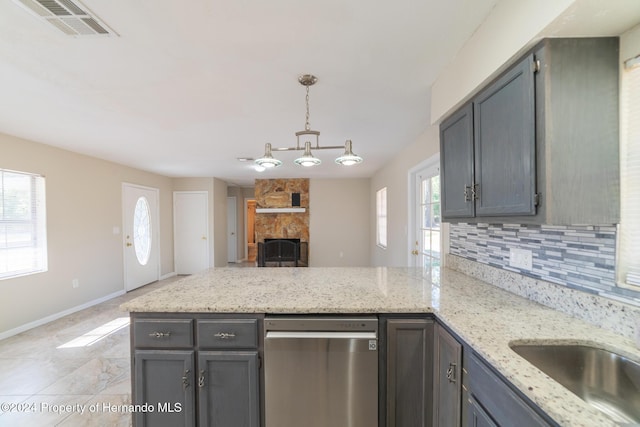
486	318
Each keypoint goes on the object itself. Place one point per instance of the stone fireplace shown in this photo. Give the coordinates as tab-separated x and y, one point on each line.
282	211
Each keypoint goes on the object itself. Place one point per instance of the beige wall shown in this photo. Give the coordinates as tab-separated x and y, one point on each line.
339	222
509	29
395	176
84	204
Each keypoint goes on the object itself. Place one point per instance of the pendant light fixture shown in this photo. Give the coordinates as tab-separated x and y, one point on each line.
308	159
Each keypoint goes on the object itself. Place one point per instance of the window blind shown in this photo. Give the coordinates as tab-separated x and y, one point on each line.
629	236
23	236
381	217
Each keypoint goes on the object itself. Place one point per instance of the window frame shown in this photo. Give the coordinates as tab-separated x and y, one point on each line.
12	263
382	218
628	264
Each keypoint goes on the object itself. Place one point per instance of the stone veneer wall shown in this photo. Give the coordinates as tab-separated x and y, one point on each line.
276	193
578	257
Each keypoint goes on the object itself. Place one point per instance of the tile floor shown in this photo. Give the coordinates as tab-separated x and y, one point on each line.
44	385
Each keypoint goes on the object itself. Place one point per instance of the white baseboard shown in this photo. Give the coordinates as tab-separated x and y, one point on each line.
166	276
51	318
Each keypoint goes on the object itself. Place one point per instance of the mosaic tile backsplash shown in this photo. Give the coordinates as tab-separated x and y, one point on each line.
579	257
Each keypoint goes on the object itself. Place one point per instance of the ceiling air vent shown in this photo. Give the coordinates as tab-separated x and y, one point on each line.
70	17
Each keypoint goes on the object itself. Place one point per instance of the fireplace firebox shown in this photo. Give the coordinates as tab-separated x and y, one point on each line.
282	253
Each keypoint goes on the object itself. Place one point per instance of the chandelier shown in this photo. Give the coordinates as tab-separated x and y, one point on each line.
307	159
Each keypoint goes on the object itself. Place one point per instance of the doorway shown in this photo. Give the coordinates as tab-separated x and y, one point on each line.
191	231
425	238
232	230
252	245
141	234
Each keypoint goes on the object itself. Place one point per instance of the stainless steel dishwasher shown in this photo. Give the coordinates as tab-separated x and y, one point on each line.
321	371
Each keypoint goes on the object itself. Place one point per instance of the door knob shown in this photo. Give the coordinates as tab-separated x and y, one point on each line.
129	244
204	238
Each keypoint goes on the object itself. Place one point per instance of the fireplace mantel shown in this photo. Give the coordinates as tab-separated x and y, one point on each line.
280	210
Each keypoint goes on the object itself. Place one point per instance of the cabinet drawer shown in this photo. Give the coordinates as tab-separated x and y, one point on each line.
163	333
504	405
228	333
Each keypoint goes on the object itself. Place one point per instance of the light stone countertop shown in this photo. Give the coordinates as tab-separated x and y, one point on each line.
485	317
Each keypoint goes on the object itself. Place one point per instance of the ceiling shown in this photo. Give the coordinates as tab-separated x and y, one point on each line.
183	89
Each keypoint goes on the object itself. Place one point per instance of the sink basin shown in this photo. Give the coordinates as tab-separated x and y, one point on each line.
605	380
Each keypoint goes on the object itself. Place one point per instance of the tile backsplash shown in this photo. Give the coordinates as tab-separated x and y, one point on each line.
578	257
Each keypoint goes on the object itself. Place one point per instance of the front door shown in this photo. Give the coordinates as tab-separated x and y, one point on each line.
141	237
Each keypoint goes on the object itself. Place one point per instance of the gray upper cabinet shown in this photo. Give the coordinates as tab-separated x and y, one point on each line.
543	145
456	159
504	144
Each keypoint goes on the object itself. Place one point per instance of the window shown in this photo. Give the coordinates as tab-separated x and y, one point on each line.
381	217
23	237
629	259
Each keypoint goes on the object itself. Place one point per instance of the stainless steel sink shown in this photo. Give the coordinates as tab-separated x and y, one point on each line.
605	380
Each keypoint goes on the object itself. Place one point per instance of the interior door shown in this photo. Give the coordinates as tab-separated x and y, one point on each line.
191	231
140	235
232	238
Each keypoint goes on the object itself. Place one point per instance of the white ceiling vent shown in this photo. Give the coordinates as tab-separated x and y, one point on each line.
70	17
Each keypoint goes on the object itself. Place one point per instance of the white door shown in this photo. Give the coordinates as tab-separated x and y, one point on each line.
191	231
140	234
232	238
426	233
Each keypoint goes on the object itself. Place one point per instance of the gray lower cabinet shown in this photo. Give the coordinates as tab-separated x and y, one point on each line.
165	388
447	379
477	417
196	371
492	402
409	372
228	388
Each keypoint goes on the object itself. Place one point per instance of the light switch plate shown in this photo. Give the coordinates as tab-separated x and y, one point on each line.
521	258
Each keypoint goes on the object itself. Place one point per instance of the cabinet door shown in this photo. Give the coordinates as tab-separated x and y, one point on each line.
477	416
164	381
447	379
504	144
228	389
409	372
456	164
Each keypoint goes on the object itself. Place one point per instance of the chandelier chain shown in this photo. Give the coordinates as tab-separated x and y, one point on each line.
307	126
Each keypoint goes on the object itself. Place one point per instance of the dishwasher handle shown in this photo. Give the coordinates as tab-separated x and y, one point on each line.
321	335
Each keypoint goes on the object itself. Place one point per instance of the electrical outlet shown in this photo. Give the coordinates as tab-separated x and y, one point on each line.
521	258
75	283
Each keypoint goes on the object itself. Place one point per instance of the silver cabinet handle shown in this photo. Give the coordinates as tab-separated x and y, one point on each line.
225	335
160	334
185	379
474	192
451	373
201	379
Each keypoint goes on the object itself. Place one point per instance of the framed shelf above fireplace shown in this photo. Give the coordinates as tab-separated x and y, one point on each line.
280	210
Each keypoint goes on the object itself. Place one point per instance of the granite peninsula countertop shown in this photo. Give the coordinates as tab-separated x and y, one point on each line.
485	317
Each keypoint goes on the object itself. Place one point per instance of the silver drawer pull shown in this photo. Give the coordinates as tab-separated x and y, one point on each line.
160	334
451	373
225	335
